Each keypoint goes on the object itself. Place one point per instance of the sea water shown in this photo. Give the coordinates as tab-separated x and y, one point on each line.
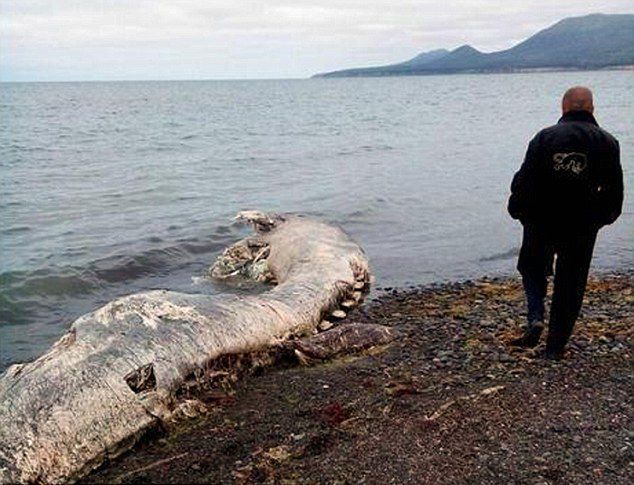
112	188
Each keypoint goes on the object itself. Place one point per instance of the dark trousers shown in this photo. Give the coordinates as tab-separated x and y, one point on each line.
573	249
535	290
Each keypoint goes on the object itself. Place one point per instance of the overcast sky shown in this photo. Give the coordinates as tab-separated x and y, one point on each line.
228	39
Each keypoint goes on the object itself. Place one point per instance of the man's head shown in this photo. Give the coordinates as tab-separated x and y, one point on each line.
577	98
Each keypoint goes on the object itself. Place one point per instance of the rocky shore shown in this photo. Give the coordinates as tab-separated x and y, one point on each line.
447	402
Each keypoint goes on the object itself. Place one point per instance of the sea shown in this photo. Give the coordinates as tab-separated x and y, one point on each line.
110	188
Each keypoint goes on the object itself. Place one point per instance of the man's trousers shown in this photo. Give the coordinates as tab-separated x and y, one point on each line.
573	250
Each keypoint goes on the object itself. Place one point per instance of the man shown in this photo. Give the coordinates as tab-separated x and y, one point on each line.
569	186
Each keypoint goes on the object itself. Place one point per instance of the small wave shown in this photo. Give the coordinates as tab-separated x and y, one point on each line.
121	268
357	216
53	293
202	248
373	148
16	312
511	253
18	285
165	148
116	269
243	159
11	203
15	230
345	152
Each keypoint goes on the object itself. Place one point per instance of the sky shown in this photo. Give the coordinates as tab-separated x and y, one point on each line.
66	40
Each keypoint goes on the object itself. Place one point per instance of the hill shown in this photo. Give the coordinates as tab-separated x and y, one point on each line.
590	42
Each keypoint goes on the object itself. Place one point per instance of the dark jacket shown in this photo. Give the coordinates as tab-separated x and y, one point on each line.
571	177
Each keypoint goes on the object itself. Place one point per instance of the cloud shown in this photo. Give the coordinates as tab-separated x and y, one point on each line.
175	39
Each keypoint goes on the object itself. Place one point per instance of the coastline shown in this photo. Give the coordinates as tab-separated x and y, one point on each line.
447	402
507	70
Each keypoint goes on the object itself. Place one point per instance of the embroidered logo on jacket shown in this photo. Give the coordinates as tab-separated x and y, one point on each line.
574	162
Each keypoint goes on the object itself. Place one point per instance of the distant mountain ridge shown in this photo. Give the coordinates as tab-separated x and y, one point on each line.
590	42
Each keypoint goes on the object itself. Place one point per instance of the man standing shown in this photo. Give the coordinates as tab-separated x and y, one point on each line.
569	186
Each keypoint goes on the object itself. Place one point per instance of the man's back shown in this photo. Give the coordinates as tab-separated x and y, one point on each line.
571	177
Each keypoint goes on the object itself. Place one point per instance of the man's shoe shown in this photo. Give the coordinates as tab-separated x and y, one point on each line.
531	335
543	352
554	354
549	354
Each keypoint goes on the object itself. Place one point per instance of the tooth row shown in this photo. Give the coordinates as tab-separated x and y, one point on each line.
359	288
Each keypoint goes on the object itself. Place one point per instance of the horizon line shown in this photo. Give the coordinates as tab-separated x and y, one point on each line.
43	81
537	70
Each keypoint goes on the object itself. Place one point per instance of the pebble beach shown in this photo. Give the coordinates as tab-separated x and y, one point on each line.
449	401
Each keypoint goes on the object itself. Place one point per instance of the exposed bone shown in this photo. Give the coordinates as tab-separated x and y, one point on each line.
113	377
244	260
261	221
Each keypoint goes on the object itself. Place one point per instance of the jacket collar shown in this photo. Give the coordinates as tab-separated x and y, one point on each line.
578	116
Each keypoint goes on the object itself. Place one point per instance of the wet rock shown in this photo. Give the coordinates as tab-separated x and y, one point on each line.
617	348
